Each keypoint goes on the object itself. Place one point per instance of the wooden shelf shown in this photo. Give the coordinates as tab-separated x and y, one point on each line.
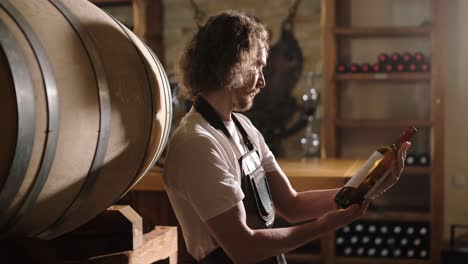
355	260
415	170
343	41
294	257
397	215
425	76
346	123
383	31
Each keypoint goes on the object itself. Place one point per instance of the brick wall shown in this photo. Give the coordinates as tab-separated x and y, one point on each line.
180	24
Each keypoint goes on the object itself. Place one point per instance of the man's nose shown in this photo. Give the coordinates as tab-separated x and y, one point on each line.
261	81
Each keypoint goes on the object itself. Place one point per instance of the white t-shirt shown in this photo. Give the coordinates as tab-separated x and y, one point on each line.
202	175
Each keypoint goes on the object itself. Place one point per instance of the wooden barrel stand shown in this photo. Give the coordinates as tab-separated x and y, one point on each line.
115	236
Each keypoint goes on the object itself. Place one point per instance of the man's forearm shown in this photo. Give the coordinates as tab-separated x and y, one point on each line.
245	245
264	243
309	205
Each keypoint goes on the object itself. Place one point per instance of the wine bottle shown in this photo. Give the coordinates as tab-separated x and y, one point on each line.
378	241
410	230
400	67
372	173
423	253
371	252
397	229
424	67
377	67
389	68
423	160
423	231
360	251
383	58
340	240
348	251
395	58
384	252
341	68
407	58
365	67
354	68
413	67
419	57
410	159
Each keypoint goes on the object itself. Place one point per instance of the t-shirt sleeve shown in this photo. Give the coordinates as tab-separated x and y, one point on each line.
207	182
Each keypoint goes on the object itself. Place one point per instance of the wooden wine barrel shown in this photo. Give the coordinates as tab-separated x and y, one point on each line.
85	112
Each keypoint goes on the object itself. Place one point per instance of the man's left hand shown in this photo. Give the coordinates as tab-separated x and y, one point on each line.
395	173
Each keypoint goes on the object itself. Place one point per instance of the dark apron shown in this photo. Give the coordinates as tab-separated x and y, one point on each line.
258	204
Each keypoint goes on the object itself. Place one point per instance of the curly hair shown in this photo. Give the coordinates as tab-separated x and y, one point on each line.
218	54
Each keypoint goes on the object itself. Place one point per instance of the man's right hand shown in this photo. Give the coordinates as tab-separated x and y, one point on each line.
341	217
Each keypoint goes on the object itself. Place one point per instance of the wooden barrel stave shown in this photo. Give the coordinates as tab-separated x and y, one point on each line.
39	119
137	131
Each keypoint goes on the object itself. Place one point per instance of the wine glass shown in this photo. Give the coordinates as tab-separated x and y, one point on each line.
310	142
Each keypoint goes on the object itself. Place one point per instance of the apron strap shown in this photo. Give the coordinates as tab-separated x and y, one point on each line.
212	117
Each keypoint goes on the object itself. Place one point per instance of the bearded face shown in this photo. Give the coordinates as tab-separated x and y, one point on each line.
253	81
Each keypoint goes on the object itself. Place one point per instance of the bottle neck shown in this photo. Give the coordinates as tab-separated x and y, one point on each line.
406	136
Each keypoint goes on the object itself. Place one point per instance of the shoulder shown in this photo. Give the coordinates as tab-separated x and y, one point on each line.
191	136
195	134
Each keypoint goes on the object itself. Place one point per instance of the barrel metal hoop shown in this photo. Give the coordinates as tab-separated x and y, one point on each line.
167	89
26	115
105	116
153	107
52	132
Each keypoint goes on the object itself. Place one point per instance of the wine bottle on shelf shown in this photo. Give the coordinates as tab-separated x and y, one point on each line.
397	229
424	67
354	68
376	67
423	160
406	58
365	67
340	240
360	251
383	58
423	253
348	251
400	67
404	241
419	57
371	252
423	231
410	159
391	241
389	68
372	173
413	67
341	68
395	58
384	252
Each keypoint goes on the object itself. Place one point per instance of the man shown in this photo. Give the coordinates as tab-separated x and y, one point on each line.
220	176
